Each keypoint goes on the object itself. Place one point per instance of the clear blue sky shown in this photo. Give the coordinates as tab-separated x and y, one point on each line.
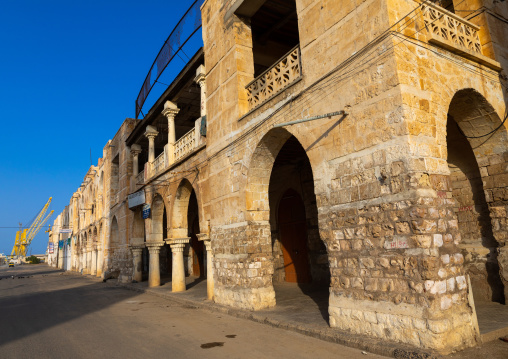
70	72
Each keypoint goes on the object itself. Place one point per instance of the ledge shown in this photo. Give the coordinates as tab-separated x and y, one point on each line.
448	45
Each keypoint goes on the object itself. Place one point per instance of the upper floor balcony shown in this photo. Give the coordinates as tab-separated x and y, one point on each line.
448	30
174	128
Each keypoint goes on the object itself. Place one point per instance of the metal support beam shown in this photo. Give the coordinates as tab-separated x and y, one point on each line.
329	115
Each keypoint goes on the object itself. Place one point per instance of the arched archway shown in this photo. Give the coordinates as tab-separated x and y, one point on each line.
114	237
296	242
158	221
196	251
159	233
185	224
179	225
279	169
477	159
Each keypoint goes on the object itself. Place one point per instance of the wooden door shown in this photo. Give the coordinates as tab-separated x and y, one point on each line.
293	237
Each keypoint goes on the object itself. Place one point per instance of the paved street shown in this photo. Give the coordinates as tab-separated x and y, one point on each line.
50	314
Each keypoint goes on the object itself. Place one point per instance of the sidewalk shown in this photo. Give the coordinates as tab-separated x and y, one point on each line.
302	310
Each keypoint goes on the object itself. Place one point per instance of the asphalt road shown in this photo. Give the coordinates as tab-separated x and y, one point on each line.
49	314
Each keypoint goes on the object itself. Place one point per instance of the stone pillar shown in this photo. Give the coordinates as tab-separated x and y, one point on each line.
137	252
93	270
89	260
154	275
151	133
209	264
135	151
200	80
99	260
80	266
83	261
178	276
170	111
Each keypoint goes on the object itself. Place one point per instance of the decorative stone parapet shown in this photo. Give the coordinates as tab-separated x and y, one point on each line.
275	79
454	33
140	178
185	144
159	164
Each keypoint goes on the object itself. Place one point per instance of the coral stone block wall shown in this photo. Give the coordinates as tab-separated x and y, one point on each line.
389	195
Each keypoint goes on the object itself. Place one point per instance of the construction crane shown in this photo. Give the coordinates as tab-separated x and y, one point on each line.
24	236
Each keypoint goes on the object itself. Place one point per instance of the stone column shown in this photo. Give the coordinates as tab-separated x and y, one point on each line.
89	260
135	151
93	270
200	80
99	260
178	276
154	275
170	111
209	264
151	133
83	263
80	256
137	252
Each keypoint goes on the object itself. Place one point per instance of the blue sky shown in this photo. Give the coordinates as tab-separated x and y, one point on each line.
70	72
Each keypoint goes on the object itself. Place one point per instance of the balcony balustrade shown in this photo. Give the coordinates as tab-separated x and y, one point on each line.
182	147
140	178
158	164
185	144
450	31
275	79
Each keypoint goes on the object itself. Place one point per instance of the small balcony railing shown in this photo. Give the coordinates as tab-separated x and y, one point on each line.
454	33
275	79
158	165
140	178
185	144
447	26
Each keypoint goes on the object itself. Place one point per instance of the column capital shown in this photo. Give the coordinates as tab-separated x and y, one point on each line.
200	76
151	132
178	244
135	149
154	247
170	110
136	250
203	237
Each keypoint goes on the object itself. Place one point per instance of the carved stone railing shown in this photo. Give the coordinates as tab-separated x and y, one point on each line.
158	165
454	33
271	82
185	144
140	178
447	26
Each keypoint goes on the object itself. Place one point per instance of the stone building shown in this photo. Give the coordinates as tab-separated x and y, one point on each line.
357	145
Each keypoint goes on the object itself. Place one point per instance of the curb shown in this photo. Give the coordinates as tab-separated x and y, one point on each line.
386	348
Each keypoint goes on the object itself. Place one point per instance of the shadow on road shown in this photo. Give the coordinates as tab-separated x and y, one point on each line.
41	302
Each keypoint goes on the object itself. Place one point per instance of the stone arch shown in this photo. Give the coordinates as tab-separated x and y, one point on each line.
101	182
179	225
138	228
114	237
478	181
158	210
258	177
475	117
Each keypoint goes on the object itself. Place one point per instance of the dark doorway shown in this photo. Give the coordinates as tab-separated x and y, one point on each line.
293	237
478	244
196	246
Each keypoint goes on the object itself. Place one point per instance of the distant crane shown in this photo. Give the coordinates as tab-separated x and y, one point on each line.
24	236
